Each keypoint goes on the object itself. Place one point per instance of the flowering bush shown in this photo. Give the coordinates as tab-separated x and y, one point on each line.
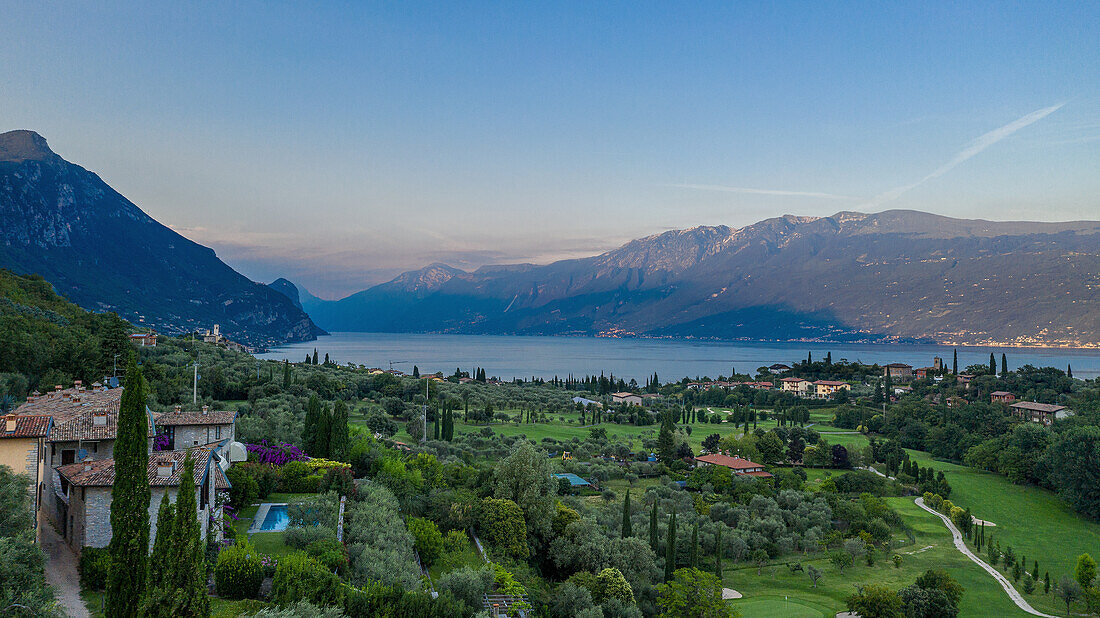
161	442
268	564
320	463
239	572
275	454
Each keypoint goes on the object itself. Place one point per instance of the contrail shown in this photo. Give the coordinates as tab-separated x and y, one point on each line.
723	188
976	146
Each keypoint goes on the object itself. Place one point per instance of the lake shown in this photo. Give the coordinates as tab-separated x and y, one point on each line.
509	357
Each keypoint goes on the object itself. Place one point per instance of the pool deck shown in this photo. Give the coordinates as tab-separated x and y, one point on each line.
261	516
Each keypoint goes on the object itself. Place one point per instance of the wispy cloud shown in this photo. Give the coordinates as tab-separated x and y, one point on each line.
972	149
726	189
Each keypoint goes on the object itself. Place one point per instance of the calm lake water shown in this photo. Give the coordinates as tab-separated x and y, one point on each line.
546	357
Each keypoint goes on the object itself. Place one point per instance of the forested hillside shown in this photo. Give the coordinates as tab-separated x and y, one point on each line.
46	340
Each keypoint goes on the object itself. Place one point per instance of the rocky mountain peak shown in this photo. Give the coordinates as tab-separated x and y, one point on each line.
24	145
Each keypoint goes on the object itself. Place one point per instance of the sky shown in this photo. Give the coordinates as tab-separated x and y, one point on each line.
337	144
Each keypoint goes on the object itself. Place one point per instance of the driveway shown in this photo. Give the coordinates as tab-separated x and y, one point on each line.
960	545
61	571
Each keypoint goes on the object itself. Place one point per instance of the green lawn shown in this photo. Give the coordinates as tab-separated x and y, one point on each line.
1034	521
571	428
763	594
779	607
468	557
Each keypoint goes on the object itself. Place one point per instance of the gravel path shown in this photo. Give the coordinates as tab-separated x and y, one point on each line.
960	544
61	572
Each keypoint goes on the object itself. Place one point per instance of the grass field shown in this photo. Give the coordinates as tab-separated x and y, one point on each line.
764	594
1034	521
571	427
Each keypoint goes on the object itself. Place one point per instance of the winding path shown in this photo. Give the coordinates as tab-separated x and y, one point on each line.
960	545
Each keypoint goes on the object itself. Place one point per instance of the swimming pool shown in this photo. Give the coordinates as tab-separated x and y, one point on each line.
275	520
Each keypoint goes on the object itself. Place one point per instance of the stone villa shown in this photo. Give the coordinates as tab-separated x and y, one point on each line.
65	440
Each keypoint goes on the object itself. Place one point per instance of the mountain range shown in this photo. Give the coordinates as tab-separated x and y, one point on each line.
892	276
104	253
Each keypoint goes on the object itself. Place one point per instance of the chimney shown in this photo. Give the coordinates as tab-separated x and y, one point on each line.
99	419
9	425
205	409
77	384
179	408
88	464
164	468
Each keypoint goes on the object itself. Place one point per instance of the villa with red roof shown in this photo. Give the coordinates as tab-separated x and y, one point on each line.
736	465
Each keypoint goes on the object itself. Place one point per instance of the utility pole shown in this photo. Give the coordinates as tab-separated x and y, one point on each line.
195	388
114	372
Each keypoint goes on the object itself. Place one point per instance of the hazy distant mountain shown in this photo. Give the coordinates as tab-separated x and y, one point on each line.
849	277
102	252
288	289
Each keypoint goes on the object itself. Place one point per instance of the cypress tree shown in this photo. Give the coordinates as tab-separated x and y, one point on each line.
670	547
286	374
324	430
627	529
129	544
310	426
338	432
435	427
718	554
187	568
695	545
992	365
1004	364
1069	371
955	361
653	528
314	356
162	544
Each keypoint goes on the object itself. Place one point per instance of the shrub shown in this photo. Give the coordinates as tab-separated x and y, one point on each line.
243	490
239	572
299	477
94	564
467	584
426	538
330	553
455	541
299	577
323	510
301	537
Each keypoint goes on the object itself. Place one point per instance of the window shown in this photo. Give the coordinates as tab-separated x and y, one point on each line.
218	432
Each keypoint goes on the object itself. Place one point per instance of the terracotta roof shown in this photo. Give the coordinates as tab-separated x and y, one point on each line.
899	366
1037	407
760	473
1000	393
623	395
735	463
92	424
27	427
793	380
101	473
212	417
69	403
831	383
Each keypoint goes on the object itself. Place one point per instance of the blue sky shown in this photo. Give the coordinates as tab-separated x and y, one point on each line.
338	143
